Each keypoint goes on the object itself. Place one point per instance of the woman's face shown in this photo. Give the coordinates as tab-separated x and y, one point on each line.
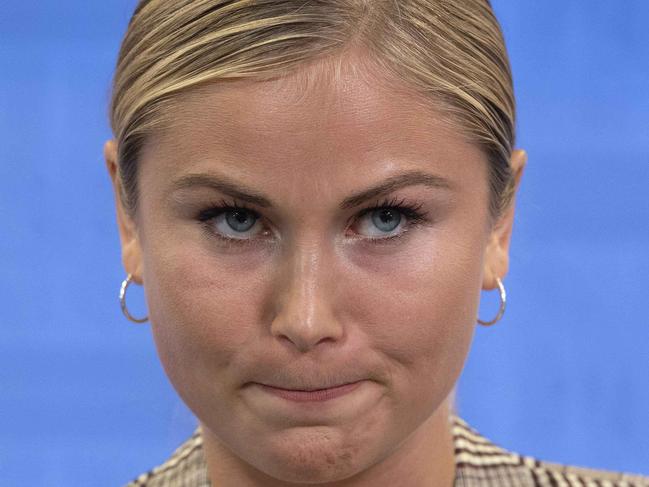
358	256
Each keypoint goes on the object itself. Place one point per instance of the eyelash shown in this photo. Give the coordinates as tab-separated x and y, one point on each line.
413	213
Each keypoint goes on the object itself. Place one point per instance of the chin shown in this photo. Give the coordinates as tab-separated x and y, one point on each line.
314	456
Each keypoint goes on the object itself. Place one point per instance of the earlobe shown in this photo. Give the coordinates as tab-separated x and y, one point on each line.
496	266
131	248
496	262
132	259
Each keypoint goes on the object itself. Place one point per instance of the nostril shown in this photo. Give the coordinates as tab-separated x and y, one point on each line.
303	341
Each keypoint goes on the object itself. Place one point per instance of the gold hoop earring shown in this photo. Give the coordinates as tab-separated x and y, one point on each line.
122	301
503	303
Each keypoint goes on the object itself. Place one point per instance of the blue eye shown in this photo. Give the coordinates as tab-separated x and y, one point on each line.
386	219
230	222
388	216
240	220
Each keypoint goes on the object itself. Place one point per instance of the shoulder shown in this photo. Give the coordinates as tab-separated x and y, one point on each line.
186	467
481	463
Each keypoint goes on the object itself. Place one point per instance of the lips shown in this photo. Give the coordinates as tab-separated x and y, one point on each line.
307	395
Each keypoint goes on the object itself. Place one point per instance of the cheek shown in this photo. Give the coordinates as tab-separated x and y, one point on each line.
420	311
202	313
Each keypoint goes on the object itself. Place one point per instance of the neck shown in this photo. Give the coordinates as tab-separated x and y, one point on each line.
425	459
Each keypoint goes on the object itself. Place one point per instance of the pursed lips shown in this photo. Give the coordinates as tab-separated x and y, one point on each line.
307	388
312	395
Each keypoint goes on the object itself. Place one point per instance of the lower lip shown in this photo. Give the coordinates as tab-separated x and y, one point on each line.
312	396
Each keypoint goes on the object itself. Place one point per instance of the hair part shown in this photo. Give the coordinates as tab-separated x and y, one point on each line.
453	53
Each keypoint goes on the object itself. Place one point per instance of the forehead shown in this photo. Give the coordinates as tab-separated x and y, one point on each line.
332	117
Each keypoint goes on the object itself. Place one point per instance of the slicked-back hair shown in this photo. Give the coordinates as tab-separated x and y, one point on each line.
450	51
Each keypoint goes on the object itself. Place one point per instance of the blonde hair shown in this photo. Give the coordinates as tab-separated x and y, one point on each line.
451	51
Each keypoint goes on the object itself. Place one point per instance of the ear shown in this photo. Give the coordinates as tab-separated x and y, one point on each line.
131	248
496	263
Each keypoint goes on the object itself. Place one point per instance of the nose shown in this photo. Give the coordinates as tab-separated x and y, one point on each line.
305	315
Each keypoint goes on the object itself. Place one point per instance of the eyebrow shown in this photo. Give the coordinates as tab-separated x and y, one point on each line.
236	190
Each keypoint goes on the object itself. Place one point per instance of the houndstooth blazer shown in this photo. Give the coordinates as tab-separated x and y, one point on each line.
479	463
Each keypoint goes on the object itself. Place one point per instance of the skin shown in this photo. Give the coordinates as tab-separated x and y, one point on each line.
313	302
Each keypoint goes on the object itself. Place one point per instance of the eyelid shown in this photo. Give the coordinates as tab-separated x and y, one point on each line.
207	216
403	205
412	211
215	209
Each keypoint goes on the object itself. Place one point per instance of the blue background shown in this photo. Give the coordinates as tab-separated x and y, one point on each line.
564	376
